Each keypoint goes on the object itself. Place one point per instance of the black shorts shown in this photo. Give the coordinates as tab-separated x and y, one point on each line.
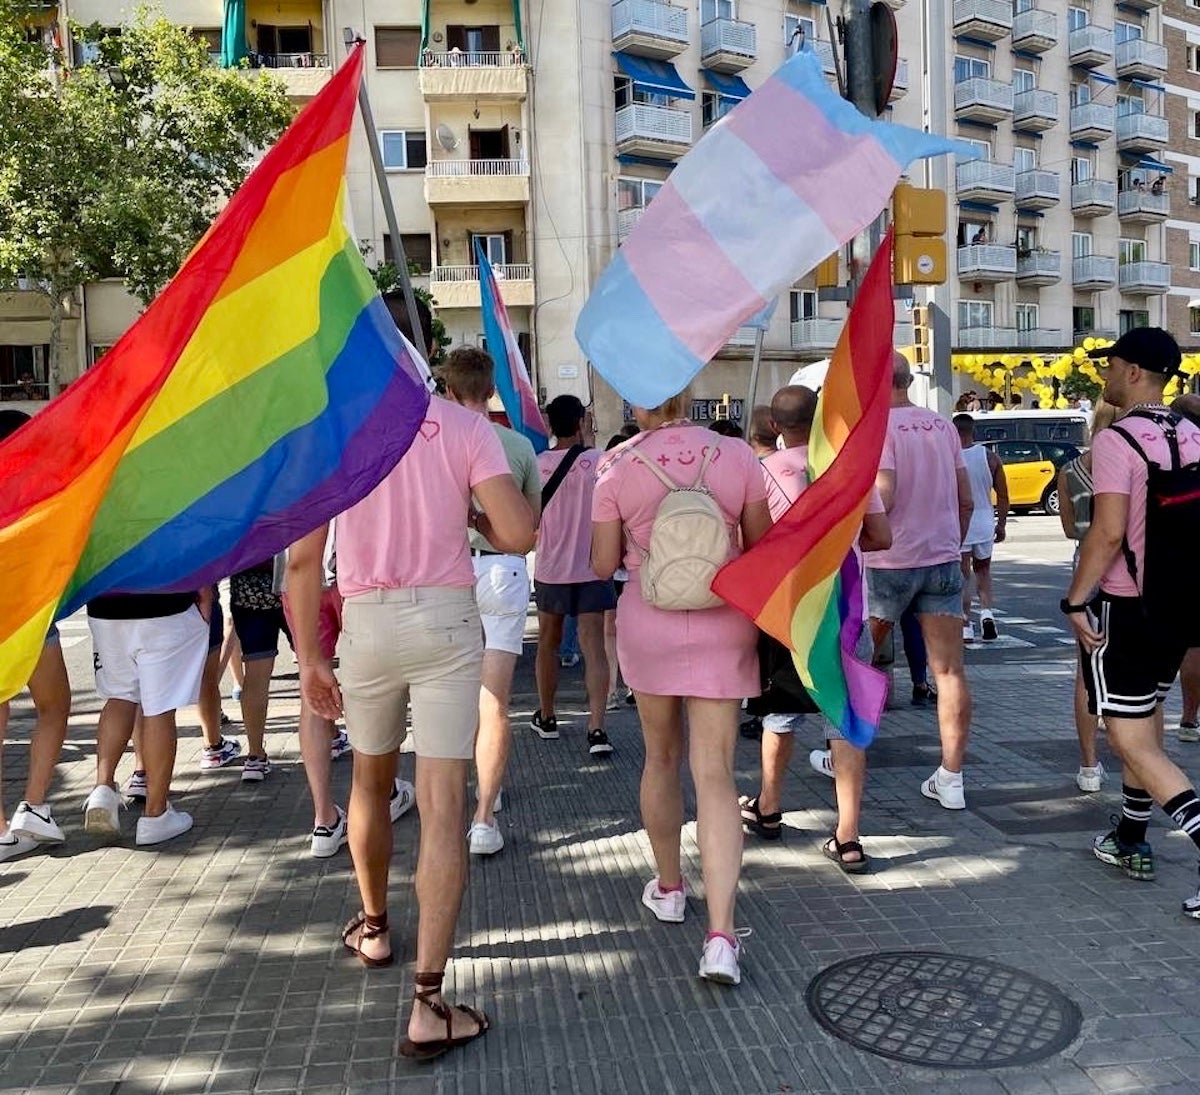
574	598
258	630
1132	671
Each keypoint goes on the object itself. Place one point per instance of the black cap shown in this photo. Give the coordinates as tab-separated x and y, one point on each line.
1149	348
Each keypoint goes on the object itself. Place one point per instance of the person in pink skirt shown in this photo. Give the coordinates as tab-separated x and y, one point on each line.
705	661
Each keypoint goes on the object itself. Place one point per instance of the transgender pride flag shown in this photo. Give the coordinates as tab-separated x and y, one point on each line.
512	378
788	177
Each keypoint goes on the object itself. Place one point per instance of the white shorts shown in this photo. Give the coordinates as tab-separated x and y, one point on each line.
157	663
979	551
502	593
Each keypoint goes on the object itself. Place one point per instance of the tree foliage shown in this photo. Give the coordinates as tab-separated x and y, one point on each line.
387	278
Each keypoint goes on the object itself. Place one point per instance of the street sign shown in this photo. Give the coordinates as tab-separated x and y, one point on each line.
884	51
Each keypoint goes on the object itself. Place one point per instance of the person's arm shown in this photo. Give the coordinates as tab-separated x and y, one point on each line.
305	568
885	483
966	505
755	521
1000	486
204	602
507	522
1066	506
876	533
608	548
1110	512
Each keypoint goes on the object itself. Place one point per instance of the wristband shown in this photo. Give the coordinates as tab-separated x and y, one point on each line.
1069	609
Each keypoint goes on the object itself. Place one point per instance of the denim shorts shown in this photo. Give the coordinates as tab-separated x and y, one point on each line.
258	630
574	598
929	591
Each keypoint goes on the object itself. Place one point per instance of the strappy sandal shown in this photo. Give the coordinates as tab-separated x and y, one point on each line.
835	851
767	826
356	932
428	986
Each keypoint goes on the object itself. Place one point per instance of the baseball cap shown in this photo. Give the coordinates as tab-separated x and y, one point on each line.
1149	348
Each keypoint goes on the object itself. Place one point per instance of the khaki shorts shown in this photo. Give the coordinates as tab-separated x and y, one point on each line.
420	644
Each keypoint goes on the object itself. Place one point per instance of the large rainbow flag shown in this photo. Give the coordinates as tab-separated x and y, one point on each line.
802	582
265	390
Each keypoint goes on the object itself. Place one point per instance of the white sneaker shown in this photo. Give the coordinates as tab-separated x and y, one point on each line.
822	761
946	788
968	633
719	962
1188	731
101	812
327	839
15	844
668	907
484	839
404	798
36	822
498	805
1089	779
167	826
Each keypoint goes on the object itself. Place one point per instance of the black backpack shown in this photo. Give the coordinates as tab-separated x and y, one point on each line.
1170	593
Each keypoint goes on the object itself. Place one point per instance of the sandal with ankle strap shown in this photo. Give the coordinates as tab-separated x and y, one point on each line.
767	826
429	985
356	932
835	850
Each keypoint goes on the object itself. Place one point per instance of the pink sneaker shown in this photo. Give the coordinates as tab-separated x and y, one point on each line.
668	907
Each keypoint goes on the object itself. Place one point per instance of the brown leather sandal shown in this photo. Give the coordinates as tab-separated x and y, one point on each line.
428	986
356	931
835	850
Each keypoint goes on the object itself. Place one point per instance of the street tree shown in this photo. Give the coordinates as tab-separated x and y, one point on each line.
115	168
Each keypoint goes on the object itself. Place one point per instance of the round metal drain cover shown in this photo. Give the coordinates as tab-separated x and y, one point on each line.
942	1010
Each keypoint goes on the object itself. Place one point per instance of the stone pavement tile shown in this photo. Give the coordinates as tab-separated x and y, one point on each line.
1115	1078
240	1081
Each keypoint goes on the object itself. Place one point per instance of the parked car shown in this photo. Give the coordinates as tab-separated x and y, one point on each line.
1070	427
1031	469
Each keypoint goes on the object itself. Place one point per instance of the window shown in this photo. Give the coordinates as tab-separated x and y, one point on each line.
472	41
796	27
1194	321
1017	452
636	193
984	148
1023	80
1081	245
1081	169
96	352
1080	94
1083	319
88	53
713	107
1131	251
418	249
211	37
1130	104
1196	124
1126	32
975	232
1027	317
495	245
1128	318
1026	239
397	47
1194	189
973	314
1077	18
627	92
803	304
966	68
1022	5
1024	159
1193	58
717	9
1194	255
403	149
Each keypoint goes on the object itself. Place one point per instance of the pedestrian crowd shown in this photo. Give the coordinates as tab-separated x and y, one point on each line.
412	629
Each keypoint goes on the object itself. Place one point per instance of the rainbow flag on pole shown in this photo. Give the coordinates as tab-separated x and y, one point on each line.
264	391
791	174
512	377
802	582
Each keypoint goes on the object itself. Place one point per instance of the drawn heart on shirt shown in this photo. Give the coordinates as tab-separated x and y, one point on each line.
787	473
430	430
584	464
673	439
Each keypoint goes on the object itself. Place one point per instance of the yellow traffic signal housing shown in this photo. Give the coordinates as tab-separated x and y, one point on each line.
919	217
918	212
828	272
919	260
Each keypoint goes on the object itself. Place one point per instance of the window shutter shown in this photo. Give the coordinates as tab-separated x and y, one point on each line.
456	38
397	47
491	39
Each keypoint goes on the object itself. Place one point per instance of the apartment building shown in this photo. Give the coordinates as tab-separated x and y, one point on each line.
1181	36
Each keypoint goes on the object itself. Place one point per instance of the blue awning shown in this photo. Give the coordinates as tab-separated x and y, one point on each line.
1100	78
653	77
1146	163
1147	86
732	88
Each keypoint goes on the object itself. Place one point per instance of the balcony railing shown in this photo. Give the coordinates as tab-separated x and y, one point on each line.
983	99
1093	272
643	122
1035	110
1092	121
986	19
458	169
1039	267
1141	132
987	262
650	27
824	52
472	59
1093	197
1032	338
293	60
1036	189
1144	277
816	334
627	220
1035	31
1090	46
1139	58
1143	205
983	178
508	271
900	83
728	44
986	338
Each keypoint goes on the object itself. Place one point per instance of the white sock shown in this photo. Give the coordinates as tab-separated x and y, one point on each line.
943	776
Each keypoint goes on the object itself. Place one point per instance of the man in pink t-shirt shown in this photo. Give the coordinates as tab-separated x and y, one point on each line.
1131	647
411	631
564	583
923	482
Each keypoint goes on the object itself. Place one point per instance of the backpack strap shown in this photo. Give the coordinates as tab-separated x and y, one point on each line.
708	458
560	473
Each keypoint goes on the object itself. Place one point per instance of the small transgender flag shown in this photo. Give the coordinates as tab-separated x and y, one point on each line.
512	378
785	179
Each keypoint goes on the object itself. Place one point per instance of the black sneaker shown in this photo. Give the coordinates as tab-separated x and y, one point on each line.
923	695
598	743
987	628
751	729
547	729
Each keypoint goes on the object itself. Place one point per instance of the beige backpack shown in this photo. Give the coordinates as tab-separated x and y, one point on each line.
689	543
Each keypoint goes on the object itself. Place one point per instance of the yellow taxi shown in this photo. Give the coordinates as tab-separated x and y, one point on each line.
1031	470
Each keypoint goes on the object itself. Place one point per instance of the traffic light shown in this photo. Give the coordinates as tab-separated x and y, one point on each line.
829	272
922	357
919	217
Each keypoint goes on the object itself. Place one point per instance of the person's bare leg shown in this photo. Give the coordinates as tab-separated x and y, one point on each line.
315	733
1144	764
610	650
776	752
494	741
256	692
112	737
4	713
370	835
209	703
943	641
983	582
1189	683
1086	724
968	591
231	653
712	726
550	628
51	692
595	666
158	752
662	791
849	780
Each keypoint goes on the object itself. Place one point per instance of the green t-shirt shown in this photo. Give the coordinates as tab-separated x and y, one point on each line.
522	460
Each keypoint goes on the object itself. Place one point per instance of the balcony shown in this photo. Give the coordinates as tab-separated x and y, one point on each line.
1144	277
1036	189
480	77
1091	273
743	336
1039	267
1141	133
987	262
986	338
655	131
1035	31
302	74
649	28
1142	5
984	181
987	20
816	334
1093	198
728	45
1035	111
458	286
1092	122
824	52
1143	206
979	99
1138	59
1037	338
1090	46
627	221
477	182
900	83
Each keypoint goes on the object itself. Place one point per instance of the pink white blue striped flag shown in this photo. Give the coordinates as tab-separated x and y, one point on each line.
512	378
784	180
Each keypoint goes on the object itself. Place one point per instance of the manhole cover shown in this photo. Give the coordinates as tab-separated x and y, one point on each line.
942	1010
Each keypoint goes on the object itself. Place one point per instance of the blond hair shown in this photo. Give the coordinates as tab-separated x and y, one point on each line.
678	406
1103	415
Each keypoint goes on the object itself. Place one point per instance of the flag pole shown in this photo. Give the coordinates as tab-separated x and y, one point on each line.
399	258
753	392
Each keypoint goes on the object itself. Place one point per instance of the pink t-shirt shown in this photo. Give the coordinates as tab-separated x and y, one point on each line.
924	451
785	475
627	491
411	530
564	539
1118	469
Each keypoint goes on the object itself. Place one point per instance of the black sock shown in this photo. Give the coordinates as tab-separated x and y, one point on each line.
1135	815
1185	812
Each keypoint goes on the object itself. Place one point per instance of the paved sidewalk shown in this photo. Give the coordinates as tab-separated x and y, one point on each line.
214	964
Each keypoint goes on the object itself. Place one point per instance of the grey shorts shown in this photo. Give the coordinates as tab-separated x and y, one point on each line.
929	591
575	598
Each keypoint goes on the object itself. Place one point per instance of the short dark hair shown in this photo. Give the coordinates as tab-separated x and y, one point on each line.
394	299
965	424
469	374
565	413
762	426
11	420
726	427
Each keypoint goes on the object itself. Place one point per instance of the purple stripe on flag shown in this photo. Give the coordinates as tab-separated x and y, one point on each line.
866	686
